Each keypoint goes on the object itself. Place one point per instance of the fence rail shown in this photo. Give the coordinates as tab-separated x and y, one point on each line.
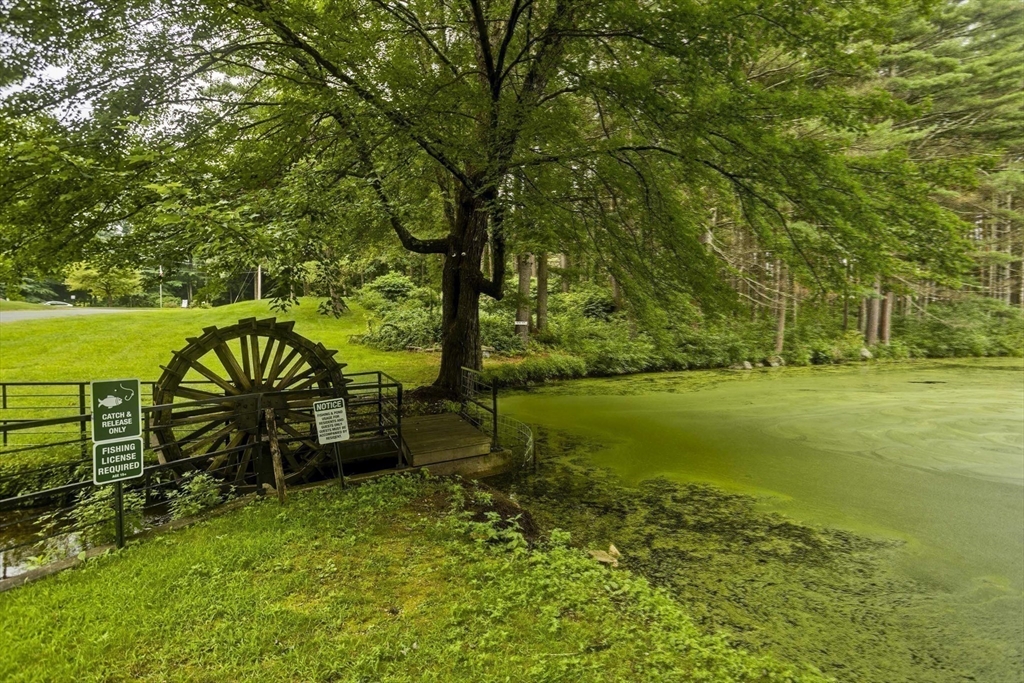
50	508
480	407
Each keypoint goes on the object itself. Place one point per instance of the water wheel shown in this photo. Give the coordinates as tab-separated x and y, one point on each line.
237	372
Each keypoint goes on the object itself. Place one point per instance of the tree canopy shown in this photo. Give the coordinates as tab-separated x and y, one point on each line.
299	129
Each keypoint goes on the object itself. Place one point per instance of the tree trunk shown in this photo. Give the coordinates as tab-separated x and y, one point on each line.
523	305
616	292
796	299
871	330
780	312
862	315
886	322
461	286
542	291
563	263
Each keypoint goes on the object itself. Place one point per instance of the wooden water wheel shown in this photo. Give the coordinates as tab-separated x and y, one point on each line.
238	372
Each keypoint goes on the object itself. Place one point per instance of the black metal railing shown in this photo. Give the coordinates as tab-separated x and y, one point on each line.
479	406
50	507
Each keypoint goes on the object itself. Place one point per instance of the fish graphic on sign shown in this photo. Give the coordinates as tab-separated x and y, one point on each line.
111	401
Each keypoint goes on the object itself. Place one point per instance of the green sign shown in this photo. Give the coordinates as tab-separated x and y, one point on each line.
117	460
116	410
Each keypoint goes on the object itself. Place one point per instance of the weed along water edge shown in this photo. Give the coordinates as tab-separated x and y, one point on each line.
925	459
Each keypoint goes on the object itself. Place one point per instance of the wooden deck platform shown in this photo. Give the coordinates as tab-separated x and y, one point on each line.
431	439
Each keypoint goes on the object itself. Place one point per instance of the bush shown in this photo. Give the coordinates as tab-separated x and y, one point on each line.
587	300
199	492
972	326
498	330
534	369
403	326
95	514
391	286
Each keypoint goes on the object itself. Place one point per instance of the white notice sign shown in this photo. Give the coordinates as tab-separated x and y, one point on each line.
331	421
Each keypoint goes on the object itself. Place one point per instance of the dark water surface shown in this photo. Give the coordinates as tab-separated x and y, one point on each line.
928	453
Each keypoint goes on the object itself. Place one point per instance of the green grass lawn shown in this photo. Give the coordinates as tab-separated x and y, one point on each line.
137	343
383	582
19	306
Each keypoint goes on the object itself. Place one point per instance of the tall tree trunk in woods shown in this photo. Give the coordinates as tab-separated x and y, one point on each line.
563	263
886	322
462	283
542	291
616	292
846	312
780	311
523	307
795	289
874	306
862	315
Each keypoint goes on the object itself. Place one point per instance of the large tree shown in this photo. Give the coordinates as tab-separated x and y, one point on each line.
611	127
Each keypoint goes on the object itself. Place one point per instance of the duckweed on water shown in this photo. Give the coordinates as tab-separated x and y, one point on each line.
804	593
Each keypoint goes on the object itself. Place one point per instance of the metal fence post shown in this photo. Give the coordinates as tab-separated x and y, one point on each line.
119	514
81	411
380	404
258	445
398	422
494	415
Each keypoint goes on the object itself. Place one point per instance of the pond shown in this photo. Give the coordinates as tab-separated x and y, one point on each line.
929	454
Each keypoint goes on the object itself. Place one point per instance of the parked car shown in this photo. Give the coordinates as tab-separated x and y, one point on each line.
56	303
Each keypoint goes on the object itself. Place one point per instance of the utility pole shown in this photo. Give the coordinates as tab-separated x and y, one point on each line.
161	286
259	282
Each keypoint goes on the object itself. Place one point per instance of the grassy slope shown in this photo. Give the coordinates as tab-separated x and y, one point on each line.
19	306
136	344
381	582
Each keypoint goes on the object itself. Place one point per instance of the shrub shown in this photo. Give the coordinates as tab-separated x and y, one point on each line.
972	326
534	369
198	492
498	330
95	515
372	301
391	286
589	301
403	326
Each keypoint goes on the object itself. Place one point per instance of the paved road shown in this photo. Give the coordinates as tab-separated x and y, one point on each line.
59	312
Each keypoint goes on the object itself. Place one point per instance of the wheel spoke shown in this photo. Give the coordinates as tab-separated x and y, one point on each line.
234	442
196	444
243	465
196	394
177	421
275	369
197	434
208	410
243	346
230	363
286	380
257	370
296	416
295	378
312	380
265	358
213	377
